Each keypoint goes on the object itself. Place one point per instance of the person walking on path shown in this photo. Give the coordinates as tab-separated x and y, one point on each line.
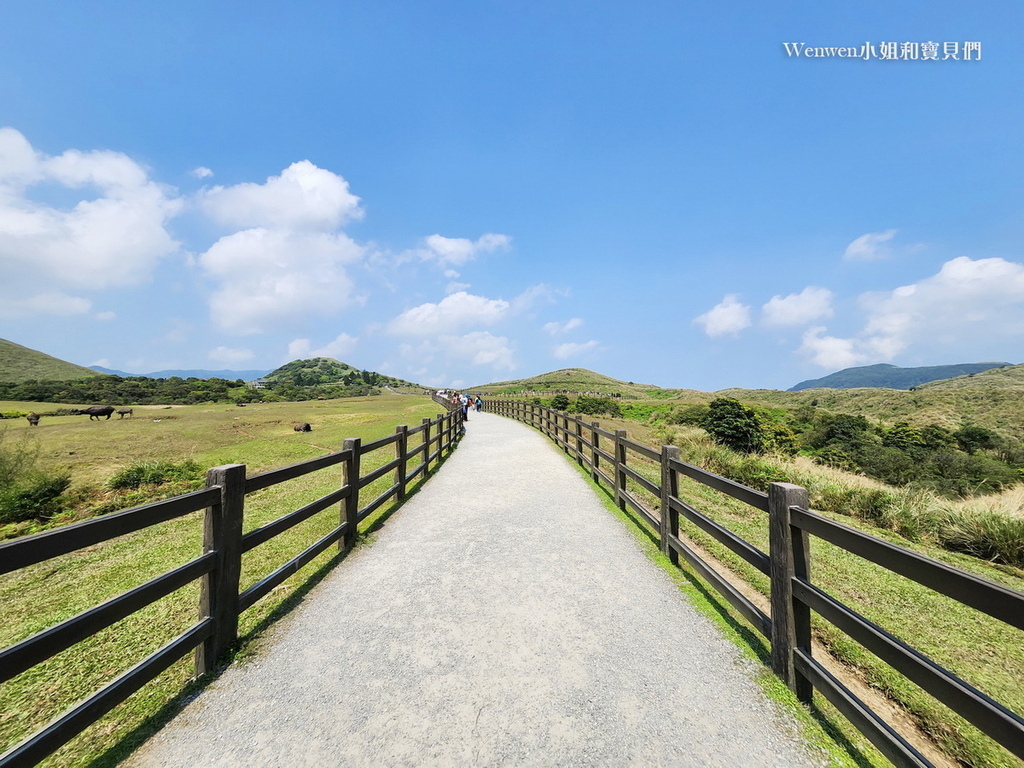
507	621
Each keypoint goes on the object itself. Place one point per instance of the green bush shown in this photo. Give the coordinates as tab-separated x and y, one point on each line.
34	496
732	424
560	402
595	406
154	473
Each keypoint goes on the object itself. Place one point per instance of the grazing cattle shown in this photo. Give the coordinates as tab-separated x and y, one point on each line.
95	411
122	412
302	426
33	419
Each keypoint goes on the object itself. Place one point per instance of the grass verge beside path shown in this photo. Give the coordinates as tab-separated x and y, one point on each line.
38	597
983	651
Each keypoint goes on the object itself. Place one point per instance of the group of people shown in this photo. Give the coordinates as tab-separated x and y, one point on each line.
463	401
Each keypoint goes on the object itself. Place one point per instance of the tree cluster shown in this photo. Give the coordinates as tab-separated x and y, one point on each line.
960	462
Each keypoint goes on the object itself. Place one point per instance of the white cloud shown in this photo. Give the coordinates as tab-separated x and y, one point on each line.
269	277
478	348
828	351
103	362
455	251
728	316
201	172
230	356
106	316
555	329
965	310
870	247
798	308
59	304
455	312
112	235
455	287
967	302
302	197
571	349
339	348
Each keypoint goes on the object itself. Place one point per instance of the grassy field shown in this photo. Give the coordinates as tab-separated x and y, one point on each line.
259	436
981	650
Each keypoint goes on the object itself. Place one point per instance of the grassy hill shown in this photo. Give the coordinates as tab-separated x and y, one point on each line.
319	371
992	398
18	363
569	380
891	376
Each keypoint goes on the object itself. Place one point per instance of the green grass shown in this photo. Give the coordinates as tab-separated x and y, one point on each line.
987	653
35	598
18	363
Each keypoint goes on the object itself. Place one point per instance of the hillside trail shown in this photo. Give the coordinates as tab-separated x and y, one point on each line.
502	616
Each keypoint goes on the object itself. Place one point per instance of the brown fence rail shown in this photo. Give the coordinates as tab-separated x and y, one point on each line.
219	567
793	596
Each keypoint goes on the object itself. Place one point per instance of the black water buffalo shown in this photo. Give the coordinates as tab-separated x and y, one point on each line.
302	426
33	419
95	411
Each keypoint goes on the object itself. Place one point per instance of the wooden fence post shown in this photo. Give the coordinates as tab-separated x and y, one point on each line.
669	489
402	454
620	462
595	457
790	556
222	534
351	479
426	443
579	440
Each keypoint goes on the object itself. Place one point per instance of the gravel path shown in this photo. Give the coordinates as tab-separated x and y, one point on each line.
502	617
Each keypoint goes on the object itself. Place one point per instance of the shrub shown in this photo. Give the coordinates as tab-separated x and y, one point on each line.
560	402
596	406
154	473
34	496
735	426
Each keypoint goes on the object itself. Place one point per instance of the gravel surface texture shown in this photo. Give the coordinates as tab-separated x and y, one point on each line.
501	617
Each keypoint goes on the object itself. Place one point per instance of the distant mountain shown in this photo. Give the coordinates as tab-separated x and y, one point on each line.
191	373
18	363
112	371
888	376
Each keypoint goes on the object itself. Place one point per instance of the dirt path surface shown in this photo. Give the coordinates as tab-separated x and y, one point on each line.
501	617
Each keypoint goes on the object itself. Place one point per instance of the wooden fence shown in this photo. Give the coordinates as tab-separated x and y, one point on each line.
219	567
793	595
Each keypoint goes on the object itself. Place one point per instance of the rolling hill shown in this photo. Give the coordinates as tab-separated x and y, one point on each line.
18	363
993	398
326	370
569	380
891	376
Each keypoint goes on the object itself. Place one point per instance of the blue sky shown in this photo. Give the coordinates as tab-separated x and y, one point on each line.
464	192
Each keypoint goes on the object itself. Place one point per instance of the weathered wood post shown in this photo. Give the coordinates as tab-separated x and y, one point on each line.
669	489
222	535
402	454
620	462
350	478
595	457
790	556
426	445
579	440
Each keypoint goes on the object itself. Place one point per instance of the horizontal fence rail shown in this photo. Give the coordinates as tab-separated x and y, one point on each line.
605	455
218	567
